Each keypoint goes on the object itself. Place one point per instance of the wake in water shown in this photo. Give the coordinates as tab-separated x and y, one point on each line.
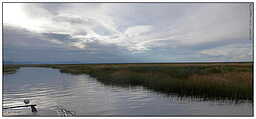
61	111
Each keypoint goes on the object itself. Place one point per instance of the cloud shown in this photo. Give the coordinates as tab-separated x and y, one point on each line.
21	45
138	29
63	37
235	52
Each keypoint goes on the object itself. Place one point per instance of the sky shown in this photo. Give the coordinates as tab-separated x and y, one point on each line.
126	32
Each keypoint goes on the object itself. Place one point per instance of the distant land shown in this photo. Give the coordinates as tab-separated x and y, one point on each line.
79	62
38	62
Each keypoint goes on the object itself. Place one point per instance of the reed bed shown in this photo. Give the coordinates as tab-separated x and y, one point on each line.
210	81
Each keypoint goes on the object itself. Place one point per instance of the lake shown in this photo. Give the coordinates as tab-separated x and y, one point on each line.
60	94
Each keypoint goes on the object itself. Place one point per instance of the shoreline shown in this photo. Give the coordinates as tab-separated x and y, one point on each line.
210	81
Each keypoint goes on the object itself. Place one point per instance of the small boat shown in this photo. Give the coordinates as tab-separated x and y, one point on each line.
33	106
32	110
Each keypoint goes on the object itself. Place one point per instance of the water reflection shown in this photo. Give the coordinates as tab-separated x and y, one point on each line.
82	94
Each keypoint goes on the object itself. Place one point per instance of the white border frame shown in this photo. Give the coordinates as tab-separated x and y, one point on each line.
124	1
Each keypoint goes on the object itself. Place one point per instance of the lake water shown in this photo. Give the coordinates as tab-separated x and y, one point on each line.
57	93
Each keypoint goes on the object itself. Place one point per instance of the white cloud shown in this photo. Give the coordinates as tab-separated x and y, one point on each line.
234	52
134	31
78	45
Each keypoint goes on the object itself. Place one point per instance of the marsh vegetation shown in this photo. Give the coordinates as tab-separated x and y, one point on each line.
205	80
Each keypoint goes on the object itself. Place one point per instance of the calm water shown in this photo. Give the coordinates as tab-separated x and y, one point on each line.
83	95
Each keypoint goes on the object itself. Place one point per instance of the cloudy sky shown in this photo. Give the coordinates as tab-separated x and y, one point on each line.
126	32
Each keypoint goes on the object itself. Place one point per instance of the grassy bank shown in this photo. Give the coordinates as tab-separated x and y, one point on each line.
209	80
10	69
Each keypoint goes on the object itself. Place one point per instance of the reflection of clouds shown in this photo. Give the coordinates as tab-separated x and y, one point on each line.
41	97
43	94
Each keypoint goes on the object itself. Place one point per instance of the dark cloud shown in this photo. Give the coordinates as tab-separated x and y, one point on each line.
70	20
58	36
18	48
18	37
